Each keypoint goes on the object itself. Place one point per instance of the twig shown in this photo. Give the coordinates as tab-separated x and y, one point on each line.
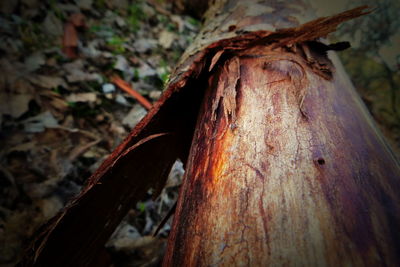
128	89
76	130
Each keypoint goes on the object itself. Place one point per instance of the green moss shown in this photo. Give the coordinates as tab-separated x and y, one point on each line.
370	67
165	74
135	15
117	44
165	78
171	27
194	22
141	206
136	74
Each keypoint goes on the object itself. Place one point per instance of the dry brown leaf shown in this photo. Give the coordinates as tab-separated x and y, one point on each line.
166	39
134	116
14	104
70	40
40	122
77	20
59	104
82	97
23	147
48	82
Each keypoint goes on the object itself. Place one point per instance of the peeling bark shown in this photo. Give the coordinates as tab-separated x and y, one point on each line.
284	160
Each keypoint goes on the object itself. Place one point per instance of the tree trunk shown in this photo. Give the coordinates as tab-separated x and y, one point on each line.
286	167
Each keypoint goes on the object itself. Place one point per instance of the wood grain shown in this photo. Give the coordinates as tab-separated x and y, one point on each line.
278	186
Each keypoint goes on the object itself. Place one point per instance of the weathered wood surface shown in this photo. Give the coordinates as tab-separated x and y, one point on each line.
76	236
286	166
270	185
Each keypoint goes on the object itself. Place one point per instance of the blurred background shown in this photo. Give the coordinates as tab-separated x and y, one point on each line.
63	108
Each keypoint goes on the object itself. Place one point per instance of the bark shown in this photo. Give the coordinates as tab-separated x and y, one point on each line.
286	167
283	152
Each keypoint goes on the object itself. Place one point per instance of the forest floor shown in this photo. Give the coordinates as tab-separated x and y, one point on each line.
62	111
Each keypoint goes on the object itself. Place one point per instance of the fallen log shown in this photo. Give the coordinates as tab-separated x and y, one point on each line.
285	166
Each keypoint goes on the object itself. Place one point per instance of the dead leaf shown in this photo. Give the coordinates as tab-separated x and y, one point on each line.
77	20
118	4
52	25
34	61
22	86
50	206
14	104
40	122
117	129
52	101
146	70
120	99
71	67
48	82
67	8
108	88
77	75
70	41
175	175
166	39
25	147
178	22
121	63
120	22
134	116
76	72
124	236
40	190
70	38
84	4
155	94
59	104
144	45
82	97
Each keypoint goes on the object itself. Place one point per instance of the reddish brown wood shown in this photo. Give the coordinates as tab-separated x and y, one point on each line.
128	89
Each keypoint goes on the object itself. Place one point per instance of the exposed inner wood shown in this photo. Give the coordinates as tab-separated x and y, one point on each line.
269	186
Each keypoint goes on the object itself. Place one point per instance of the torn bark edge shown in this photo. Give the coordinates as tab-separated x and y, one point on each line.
286	37
197	64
